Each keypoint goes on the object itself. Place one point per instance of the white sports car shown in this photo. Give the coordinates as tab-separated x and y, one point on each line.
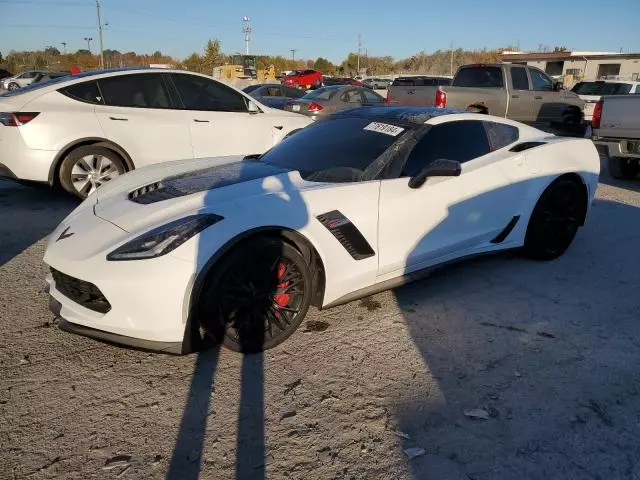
237	249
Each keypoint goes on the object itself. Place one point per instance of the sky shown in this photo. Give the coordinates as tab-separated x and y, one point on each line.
328	28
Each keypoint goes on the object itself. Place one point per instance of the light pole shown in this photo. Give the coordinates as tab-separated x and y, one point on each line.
247	33
100	36
64	48
293	53
88	40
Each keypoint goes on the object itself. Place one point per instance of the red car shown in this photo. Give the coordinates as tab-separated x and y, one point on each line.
303	79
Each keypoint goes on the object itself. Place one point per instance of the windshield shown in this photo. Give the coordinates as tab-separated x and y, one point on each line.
601	88
355	144
324	93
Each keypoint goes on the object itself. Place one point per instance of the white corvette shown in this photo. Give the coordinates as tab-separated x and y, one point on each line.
237	249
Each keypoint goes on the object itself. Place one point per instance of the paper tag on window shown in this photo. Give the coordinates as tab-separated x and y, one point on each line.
384	128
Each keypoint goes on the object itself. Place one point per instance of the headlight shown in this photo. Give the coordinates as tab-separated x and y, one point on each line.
162	240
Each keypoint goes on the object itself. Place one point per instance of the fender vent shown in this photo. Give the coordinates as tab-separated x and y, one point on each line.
521	147
347	234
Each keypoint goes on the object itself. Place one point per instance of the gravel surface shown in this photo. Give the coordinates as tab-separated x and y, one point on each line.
497	368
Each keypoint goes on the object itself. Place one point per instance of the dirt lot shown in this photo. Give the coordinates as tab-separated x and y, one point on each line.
548	353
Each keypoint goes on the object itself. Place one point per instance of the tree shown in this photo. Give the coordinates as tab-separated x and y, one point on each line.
324	65
213	57
83	51
560	49
51	51
193	63
1	59
157	54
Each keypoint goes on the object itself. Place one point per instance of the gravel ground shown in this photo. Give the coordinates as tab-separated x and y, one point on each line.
546	354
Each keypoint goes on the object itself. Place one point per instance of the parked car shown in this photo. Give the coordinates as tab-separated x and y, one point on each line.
5	74
377	83
19	80
616	133
342	81
46	76
83	130
328	100
240	248
518	92
273	95
591	91
304	79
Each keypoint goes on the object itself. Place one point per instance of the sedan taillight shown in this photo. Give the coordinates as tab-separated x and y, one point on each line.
16	119
315	107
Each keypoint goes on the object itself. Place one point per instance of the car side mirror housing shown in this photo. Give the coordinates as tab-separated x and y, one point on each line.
438	168
252	107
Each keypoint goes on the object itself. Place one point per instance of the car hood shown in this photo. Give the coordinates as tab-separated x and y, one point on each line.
160	193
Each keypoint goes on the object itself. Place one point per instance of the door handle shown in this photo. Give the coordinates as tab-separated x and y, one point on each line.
538	97
200	121
515	96
122	119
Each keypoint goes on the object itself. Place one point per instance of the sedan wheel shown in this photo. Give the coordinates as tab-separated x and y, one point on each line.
13	86
257	296
88	168
555	220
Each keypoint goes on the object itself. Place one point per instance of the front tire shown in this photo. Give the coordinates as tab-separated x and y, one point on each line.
555	220
87	168
623	168
13	86
257	295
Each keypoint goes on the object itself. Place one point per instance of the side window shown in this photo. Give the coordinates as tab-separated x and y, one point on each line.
463	140
519	78
500	135
272	92
142	90
293	92
28	75
84	92
351	96
200	93
370	97
540	82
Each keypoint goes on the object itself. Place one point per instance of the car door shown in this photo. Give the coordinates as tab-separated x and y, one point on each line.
446	217
219	118
547	104
138	115
349	98
521	96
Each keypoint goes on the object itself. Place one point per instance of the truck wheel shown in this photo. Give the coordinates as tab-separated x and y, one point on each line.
624	168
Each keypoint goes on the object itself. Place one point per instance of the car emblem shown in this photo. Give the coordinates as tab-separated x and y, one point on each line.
64	234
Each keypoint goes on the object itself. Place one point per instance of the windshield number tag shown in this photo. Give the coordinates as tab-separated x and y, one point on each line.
384	128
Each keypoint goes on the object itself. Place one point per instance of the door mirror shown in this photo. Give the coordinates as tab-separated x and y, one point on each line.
252	107
438	168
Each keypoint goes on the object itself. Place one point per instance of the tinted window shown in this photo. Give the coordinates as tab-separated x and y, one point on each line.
601	88
200	93
540	82
351	96
28	75
250	88
500	135
351	149
272	92
140	91
83	92
461	141
488	77
370	97
293	92
420	81
519	79
325	93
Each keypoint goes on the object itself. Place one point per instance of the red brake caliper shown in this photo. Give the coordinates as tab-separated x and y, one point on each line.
282	299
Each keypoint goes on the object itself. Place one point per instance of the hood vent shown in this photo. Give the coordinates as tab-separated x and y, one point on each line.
154	192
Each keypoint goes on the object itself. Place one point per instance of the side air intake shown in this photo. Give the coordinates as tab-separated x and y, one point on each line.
521	147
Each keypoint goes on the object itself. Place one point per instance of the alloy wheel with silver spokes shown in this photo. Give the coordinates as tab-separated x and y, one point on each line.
91	172
89	167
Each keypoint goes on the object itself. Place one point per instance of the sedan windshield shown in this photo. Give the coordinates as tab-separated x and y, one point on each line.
355	143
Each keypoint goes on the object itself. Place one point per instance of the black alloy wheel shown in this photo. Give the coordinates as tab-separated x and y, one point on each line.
257	296
555	220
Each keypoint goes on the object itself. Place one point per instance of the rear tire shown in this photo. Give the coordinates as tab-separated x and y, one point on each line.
87	168
623	168
256	296
13	86
555	220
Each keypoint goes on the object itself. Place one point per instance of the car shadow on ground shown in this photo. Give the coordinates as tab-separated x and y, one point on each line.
28	214
520	369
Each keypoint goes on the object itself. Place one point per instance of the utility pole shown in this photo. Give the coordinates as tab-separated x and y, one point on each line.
100	33
64	48
88	40
359	48
247	33
451	69
293	53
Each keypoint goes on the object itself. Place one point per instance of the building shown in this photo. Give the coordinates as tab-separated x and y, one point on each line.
580	65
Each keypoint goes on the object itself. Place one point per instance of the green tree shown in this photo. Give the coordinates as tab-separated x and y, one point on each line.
193	63
324	65
52	51
213	57
1	59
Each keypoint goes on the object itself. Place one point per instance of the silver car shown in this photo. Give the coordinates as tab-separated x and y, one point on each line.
327	100
20	80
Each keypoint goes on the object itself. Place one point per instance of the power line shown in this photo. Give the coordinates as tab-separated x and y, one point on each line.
65	27
46	2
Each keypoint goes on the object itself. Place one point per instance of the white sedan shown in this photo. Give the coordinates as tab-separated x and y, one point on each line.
364	201
82	131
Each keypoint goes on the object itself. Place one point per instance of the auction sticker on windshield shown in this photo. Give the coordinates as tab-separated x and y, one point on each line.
384	128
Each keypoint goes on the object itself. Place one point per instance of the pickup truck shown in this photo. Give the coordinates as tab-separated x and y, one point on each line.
616	133
514	91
